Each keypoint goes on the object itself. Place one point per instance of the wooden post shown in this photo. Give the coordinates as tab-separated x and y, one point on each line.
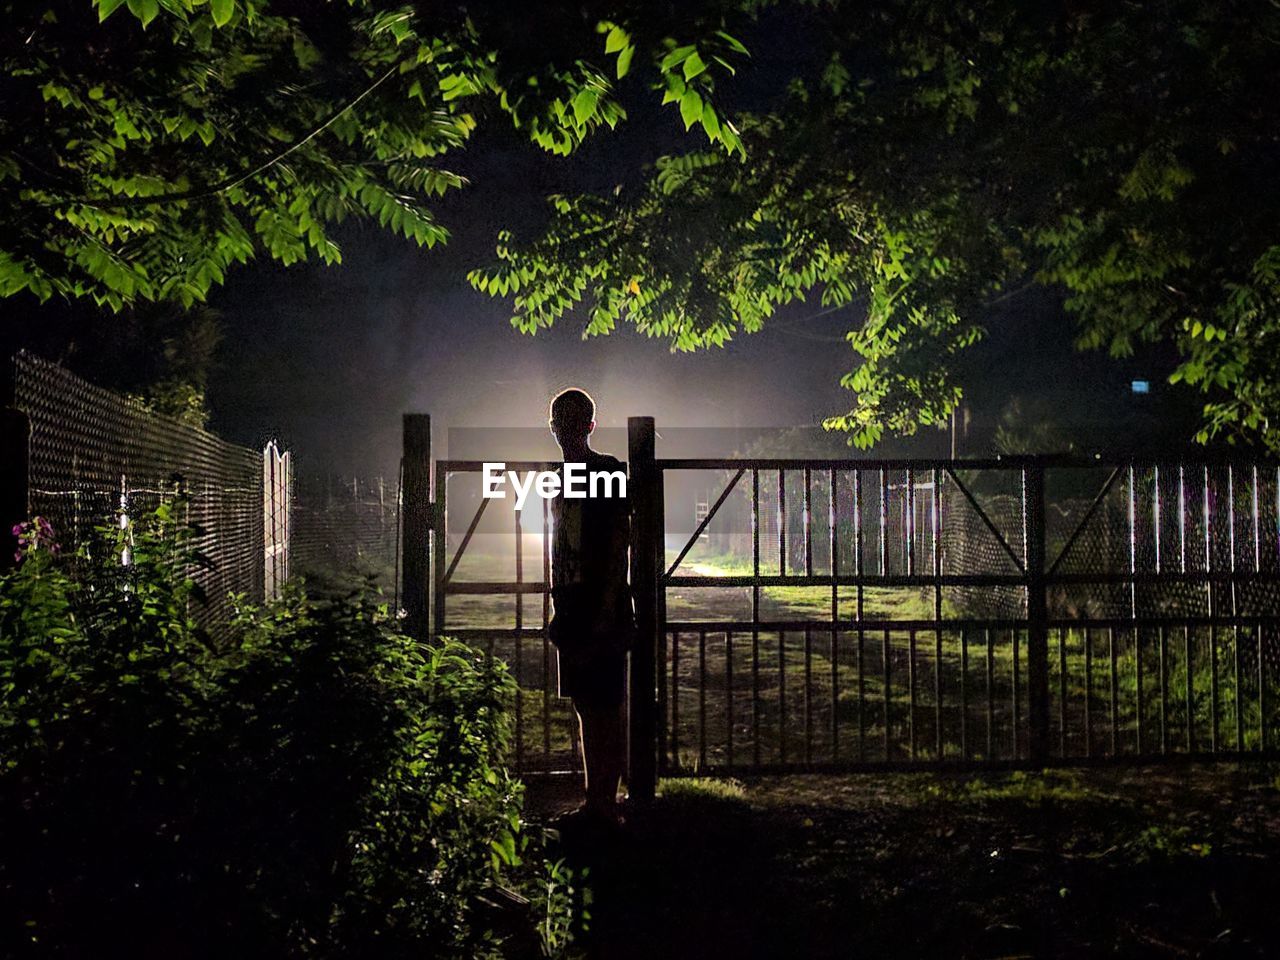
646	560
1033	522
416	524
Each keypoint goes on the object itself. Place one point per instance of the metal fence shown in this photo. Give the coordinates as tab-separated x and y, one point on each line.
898	613
83	457
1140	621
346	528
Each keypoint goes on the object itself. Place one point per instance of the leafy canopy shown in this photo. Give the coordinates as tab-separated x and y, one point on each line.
928	158
147	146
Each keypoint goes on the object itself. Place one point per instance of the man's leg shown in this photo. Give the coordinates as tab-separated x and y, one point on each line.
604	754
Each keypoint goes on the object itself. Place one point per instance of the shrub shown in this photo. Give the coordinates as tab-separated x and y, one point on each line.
317	784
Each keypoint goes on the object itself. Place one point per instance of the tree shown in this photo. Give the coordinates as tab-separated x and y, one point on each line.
148	146
929	158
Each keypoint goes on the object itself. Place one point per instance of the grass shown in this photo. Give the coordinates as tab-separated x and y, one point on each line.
1145	862
702	788
805	697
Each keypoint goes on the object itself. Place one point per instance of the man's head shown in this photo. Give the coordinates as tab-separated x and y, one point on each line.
573	416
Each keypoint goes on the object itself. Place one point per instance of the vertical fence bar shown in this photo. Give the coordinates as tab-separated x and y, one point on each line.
857	567
417	525
647	533
546	632
911	691
519	534
782	522
1133	604
755	617
882	550
702	700
1213	628
887	692
1088	692
808	522
1186	630
1017	709
1164	690
1236	672
884	520
1257	533
675	701
808	696
909	528
782	697
728	697
1262	691
935	523
991	699
1162	635
964	693
1033	525
909	548
1062	692
440	541
833	543
1114	691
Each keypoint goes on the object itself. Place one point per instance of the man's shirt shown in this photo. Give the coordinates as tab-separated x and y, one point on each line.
589	548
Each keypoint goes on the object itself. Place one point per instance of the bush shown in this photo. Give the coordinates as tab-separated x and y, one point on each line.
317	784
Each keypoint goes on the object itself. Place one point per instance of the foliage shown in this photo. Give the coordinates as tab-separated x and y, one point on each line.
927	159
318	784
703	788
148	146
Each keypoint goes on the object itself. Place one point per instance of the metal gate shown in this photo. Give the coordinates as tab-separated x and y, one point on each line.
861	613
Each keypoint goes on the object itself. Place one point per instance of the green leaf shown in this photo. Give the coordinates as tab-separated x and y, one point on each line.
144	10
107	7
617	40
710	122
733	43
584	104
693	66
221	11
624	61
690	108
676	57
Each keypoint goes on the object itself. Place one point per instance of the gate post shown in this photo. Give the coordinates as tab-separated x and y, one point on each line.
415	506
646	557
1033	526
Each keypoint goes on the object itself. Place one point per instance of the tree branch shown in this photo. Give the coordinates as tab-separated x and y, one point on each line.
200	193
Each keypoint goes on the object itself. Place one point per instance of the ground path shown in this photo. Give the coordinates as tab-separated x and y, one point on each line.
1159	862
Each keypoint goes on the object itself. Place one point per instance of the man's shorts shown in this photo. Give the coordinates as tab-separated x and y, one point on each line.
593	664
592	674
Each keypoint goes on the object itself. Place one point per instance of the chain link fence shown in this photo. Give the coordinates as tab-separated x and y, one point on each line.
95	458
345	529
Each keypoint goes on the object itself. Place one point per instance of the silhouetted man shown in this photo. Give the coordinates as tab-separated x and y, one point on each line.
593	622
